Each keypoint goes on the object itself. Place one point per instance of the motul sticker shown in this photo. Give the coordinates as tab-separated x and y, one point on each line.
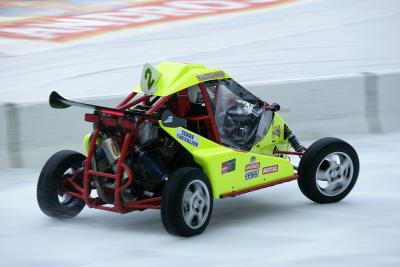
270	169
67	27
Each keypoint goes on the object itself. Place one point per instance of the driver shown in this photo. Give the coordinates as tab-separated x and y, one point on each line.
238	119
240	123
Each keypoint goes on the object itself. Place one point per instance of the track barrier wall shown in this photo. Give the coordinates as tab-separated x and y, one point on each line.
329	106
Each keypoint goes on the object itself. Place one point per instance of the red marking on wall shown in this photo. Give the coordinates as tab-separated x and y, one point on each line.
67	27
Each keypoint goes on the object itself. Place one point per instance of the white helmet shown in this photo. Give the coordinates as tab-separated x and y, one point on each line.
195	95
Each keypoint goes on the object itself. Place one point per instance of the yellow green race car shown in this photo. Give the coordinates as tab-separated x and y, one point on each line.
187	135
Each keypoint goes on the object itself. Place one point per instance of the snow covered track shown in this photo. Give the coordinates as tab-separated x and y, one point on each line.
271	227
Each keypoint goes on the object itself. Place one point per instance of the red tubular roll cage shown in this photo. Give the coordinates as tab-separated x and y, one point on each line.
129	139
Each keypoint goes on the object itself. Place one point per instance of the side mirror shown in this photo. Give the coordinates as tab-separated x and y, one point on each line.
274	107
170	120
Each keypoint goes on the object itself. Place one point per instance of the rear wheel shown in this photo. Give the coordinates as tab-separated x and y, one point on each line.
57	169
187	202
328	170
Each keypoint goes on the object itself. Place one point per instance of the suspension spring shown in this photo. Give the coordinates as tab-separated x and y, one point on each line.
293	140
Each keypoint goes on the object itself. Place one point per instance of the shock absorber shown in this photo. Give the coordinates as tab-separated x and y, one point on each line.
293	140
155	168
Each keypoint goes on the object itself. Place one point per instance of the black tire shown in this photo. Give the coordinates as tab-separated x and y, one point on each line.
314	159
50	180
174	208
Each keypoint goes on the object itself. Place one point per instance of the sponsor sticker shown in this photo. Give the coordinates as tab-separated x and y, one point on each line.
253	164
276	131
270	169
210	76
187	137
252	169
228	166
252	174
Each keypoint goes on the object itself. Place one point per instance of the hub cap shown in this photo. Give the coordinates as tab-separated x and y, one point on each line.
196	204
334	174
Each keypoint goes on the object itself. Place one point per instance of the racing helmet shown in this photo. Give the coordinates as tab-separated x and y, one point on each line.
241	123
195	96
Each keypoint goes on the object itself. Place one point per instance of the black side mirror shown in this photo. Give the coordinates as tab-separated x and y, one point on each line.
274	107
170	120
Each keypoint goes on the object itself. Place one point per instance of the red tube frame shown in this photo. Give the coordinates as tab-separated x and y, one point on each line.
88	173
210	114
257	187
129	139
288	152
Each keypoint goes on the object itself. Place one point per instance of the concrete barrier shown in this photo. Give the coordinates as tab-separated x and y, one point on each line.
44	131
3	140
313	108
319	107
389	101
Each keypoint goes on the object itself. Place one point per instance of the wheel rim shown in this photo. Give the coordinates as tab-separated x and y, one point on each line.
334	173
65	199
196	204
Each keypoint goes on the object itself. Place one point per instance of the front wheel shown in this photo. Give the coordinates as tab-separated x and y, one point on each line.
52	201
328	170
187	202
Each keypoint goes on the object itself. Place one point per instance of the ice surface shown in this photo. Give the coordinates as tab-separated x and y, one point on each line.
308	39
270	227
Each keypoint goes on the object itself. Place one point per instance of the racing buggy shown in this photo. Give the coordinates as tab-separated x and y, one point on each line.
185	136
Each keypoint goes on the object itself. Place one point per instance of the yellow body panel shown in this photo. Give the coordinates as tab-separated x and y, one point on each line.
230	170
178	76
274	138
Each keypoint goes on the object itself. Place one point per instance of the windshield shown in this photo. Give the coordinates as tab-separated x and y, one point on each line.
237	114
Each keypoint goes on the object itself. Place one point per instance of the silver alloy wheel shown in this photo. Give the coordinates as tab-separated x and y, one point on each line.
196	204
334	173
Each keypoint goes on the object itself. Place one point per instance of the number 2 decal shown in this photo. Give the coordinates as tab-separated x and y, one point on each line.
148	76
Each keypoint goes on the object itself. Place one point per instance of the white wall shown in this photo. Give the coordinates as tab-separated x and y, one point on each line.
313	108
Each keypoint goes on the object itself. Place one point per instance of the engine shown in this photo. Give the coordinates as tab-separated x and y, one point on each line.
149	159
